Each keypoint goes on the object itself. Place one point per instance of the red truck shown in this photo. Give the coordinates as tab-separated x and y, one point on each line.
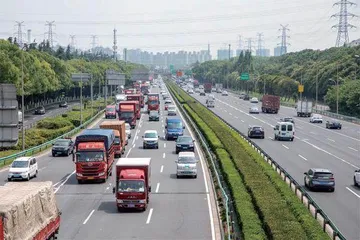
28	211
110	111
129	91
136	105
136	97
133	183
207	87
127	114
94	155
153	102
270	104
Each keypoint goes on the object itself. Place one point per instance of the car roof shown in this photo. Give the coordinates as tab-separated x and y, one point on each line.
63	140
285	123
171	106
324	170
23	159
151	131
256	126
186	154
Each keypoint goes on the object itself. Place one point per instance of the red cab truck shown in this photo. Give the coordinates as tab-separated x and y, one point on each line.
133	183
120	135
28	211
270	104
94	155
127	114
136	97
207	87
153	102
136	105
110	111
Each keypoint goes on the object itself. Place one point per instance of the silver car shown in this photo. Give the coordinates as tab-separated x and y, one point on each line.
254	110
357	178
186	165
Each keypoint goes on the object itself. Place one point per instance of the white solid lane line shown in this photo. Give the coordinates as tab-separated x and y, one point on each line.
128	152
353	149
353	192
63	182
331	140
162	168
285	146
303	157
236	117
242	121
149	216
157	187
230	114
87	219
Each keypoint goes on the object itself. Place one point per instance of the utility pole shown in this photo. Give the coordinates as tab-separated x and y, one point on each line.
260	47
229	51
284	37
93	43
125	55
50	32
72	42
115	46
317	89
342	38
19	38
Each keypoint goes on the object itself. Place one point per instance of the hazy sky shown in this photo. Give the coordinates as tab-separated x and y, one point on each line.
161	25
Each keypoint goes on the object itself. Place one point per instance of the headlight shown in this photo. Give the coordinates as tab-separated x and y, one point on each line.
191	145
101	174
119	201
79	174
142	201
178	145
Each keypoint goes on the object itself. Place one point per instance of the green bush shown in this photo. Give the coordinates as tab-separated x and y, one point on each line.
53	123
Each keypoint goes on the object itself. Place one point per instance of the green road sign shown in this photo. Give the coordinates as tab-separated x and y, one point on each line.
244	76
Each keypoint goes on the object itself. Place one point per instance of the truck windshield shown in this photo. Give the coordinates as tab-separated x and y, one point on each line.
90	156
131	186
117	141
127	115
172	125
110	109
153	102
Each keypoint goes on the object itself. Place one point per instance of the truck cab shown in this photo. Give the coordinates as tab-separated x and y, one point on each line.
153	102
136	105
127	114
174	127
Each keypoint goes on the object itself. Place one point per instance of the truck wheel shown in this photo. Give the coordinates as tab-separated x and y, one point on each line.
195	176
119	209
53	154
80	181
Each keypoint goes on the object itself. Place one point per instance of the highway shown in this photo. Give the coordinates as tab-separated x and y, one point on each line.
313	146
178	209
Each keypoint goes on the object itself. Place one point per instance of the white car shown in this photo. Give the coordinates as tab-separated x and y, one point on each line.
316	118
151	139
224	93
171	110
197	90
254	109
186	165
128	130
168	101
357	178
23	168
254	100
190	91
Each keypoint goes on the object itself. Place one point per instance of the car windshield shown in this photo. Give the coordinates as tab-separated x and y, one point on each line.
186	160
131	186
20	164
257	128
171	125
184	140
126	114
150	135
61	143
171	108
40	108
117	140
154	113
110	109
87	156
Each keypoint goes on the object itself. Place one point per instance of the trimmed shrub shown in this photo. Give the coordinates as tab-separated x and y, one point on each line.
53	123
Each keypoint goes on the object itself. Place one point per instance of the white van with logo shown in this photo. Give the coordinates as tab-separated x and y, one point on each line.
23	168
284	131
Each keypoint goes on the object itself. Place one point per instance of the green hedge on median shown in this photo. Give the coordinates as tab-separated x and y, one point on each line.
282	214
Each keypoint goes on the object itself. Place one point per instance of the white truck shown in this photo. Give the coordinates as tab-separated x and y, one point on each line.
304	108
210	103
119	98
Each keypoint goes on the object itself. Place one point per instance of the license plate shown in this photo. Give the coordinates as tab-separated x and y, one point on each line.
257	132
283	133
16	175
131	205
185	147
90	178
58	152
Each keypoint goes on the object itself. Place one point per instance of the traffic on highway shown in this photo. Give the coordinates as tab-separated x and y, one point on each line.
322	154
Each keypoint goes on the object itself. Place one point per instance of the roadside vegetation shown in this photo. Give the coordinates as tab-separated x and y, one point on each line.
265	206
283	74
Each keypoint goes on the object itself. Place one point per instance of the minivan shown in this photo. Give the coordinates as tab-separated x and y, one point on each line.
284	131
23	168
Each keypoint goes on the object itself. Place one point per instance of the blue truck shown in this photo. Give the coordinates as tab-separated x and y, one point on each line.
174	127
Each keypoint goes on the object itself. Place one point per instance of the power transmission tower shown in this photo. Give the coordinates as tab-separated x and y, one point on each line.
29	36
249	42
72	42
260	47
115	46
240	43
19	33
50	33
284	37
343	25
93	42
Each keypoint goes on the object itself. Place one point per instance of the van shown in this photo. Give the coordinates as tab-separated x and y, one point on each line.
23	168
284	131
174	127
210	103
186	165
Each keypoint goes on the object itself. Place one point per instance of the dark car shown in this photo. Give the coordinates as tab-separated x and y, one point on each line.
318	178
62	147
333	124
256	132
154	116
287	119
184	143
246	97
63	104
39	110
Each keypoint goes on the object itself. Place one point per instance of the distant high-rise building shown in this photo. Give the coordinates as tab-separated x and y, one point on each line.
263	52
223	54
277	51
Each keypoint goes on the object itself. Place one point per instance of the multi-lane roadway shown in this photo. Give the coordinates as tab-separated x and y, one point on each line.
313	146
178	209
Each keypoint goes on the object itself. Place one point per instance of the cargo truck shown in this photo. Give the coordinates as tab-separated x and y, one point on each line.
120	135
119	98
127	114
136	97
153	102
207	87
133	183
28	211
136	105
94	155
270	104
218	87
303	108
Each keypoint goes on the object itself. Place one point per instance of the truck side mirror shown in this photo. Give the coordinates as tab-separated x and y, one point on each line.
274	128
193	140
305	173
113	190
183	127
165	127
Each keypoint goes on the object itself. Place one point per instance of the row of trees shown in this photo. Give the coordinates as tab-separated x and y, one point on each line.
317	70
48	72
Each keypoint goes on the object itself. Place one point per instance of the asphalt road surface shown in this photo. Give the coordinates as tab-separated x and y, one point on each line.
178	208
313	146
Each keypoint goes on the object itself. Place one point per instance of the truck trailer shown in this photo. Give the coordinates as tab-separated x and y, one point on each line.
136	97
28	211
133	183
270	104
120	140
207	87
94	155
127	113
304	108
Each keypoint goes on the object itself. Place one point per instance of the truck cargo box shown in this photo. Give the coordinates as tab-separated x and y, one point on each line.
97	135
116	125
28	211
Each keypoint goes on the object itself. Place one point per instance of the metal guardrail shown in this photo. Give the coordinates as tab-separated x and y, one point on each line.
45	145
226	197
327	225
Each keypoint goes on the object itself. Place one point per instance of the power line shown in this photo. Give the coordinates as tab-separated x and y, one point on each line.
19	33
284	37
343	25
260	47
50	33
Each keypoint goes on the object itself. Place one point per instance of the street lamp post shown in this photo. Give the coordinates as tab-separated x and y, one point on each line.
337	93
22	100
356	64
